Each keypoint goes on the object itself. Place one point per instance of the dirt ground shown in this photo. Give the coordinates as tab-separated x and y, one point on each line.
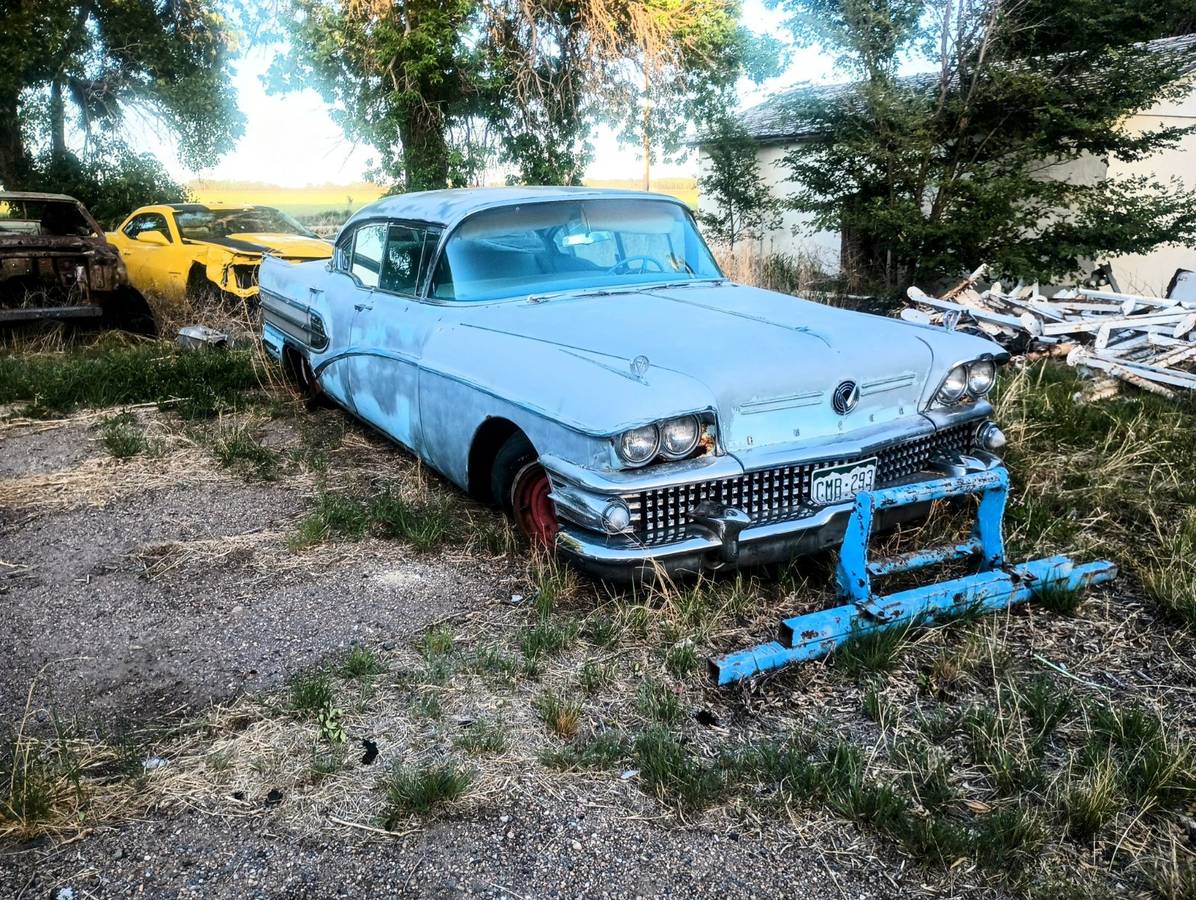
166	602
119	648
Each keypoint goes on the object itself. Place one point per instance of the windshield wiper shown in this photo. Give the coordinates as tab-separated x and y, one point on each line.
621	289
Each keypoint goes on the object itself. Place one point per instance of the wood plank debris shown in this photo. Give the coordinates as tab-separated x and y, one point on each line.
1113	338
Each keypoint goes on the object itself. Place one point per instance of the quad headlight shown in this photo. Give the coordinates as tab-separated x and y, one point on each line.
967	381
674	438
639	445
981	375
955	385
679	436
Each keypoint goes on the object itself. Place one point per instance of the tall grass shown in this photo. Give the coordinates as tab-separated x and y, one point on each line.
109	373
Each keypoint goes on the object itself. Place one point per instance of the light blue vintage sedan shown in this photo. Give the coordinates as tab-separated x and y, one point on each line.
577	357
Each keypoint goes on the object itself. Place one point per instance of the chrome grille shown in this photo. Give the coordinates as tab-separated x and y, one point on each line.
770	495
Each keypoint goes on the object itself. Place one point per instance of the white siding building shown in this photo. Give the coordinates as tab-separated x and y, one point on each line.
777	129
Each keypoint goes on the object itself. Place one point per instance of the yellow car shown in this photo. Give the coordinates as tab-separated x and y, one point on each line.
197	251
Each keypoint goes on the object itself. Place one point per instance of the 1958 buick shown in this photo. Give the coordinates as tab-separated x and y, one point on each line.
577	357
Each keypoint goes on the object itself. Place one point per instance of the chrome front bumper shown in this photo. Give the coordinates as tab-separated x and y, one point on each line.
707	533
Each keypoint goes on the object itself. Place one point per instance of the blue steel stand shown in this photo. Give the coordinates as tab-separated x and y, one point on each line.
996	585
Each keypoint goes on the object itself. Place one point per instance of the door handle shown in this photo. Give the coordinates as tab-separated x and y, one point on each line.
361	306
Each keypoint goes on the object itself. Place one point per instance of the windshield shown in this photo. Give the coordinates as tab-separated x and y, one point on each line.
565	245
44	218
205	224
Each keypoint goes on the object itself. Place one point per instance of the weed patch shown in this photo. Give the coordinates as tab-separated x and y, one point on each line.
482	737
237	448
601	751
675	776
561	714
123	436
199	385
419	790
425	526
361	662
658	702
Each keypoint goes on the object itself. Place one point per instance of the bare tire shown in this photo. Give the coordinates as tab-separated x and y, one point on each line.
127	310
300	374
521	487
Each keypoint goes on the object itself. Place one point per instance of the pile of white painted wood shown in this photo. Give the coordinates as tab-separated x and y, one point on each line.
1149	342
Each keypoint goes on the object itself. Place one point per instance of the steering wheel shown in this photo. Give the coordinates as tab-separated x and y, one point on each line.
625	265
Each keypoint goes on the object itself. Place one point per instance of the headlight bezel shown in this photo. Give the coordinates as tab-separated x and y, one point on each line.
633	462
986	365
690	446
969	392
703	441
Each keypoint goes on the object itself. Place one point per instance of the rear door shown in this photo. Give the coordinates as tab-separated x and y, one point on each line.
392	326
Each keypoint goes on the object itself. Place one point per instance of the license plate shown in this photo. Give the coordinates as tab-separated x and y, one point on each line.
838	484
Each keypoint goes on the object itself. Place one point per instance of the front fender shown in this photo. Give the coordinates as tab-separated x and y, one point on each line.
568	403
587	392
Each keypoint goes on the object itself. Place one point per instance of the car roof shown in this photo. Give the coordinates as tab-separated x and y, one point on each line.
217	206
35	195
448	207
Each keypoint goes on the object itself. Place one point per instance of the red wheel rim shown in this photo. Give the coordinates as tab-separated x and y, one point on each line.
534	510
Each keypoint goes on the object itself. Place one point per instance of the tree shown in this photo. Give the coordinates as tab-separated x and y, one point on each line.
415	79
930	174
400	76
111	180
94	61
740	203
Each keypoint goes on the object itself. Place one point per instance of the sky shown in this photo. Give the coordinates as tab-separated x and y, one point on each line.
292	141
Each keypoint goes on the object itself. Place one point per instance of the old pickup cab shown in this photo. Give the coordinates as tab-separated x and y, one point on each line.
577	357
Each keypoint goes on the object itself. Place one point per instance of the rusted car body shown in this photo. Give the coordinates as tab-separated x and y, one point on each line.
577	357
55	262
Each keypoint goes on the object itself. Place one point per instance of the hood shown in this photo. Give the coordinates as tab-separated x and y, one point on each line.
288	246
769	363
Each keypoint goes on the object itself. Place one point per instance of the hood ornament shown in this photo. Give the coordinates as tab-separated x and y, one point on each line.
639	366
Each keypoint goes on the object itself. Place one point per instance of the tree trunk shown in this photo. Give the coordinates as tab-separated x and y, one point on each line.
425	151
14	160
57	122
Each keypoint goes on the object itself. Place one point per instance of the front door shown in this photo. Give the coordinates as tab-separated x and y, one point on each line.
146	261
391	326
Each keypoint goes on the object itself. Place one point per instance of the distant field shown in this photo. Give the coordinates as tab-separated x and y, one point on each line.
303	201
684	189
306	201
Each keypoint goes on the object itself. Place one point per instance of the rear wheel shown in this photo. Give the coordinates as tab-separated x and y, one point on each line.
300	374
127	310
522	488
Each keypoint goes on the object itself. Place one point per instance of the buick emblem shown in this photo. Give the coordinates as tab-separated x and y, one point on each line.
846	396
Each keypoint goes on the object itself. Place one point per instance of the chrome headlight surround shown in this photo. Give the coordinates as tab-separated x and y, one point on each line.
679	436
638	446
668	440
967	381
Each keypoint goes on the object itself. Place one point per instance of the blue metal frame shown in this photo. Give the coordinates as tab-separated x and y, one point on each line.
995	586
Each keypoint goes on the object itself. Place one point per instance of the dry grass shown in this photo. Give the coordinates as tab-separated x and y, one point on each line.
985	750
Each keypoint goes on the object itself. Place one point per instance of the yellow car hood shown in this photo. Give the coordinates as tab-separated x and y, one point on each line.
292	246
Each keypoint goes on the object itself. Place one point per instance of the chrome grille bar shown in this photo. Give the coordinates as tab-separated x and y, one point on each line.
660	516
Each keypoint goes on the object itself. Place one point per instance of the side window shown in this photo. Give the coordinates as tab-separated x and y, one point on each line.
342	253
147	222
404	259
367	253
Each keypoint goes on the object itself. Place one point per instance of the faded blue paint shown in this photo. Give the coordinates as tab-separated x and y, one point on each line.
995	586
760	366
815	635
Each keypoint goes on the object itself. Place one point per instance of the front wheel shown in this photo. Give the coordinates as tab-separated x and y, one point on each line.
521	486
